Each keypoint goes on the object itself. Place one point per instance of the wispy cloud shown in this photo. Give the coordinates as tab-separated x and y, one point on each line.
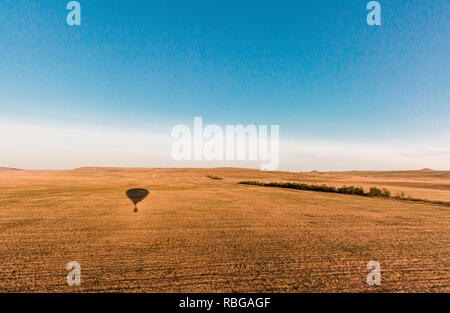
431	153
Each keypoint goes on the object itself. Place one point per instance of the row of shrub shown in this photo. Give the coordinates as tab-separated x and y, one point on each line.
349	190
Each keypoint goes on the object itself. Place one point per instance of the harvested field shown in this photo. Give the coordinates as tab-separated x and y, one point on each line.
194	233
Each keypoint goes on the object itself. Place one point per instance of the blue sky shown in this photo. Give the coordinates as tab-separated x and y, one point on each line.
313	67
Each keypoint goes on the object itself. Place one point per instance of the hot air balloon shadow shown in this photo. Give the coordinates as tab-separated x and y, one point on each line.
137	195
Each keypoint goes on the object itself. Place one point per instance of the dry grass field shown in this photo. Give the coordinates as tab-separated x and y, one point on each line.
195	233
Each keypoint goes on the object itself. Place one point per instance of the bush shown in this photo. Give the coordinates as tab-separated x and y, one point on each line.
352	190
386	193
214	177
376	192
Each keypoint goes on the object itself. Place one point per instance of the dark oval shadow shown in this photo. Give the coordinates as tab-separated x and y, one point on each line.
137	195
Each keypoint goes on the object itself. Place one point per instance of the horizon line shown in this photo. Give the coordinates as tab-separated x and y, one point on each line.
212	168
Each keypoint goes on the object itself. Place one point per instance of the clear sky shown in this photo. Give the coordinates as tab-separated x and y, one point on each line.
346	95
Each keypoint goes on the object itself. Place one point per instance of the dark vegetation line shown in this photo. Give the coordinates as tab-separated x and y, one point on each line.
214	177
348	190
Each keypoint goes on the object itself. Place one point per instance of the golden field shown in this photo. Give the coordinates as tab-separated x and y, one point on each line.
197	234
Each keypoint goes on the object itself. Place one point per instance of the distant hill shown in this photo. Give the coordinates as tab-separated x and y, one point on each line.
10	169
